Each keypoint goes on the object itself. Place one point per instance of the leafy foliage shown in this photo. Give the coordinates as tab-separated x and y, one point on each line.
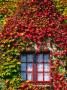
9	70
31	23
57	75
35	22
28	86
7	9
2	85
61	6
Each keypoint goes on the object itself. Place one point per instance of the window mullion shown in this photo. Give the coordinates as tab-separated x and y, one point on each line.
43	67
33	68
36	72
36	65
26	66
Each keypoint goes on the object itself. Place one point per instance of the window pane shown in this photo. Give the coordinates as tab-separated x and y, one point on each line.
46	67
23	75
29	67
23	67
40	76
46	76
23	58
29	57
40	67
40	57
29	76
46	57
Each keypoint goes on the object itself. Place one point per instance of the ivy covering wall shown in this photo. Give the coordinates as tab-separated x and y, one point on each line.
7	9
61	6
35	22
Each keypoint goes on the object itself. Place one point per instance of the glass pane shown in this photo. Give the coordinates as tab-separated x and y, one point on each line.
23	67
23	58
40	57
46	57
46	76
23	75
46	67
40	67
29	67
29	76
29	57
40	76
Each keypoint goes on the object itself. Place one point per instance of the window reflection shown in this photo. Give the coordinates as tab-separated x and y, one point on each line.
29	67
23	67
46	58
23	75
23	58
29	57
46	77
40	67
29	76
46	67
40	76
40	57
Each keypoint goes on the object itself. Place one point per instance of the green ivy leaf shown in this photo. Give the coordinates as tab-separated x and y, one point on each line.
61	69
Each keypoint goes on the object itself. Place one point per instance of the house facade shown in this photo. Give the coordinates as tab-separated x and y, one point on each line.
37	35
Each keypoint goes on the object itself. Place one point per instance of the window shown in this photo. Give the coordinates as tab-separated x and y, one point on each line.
35	67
